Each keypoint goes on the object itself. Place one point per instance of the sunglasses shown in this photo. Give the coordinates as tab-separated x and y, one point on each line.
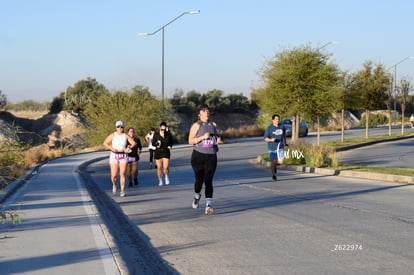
120	127
162	129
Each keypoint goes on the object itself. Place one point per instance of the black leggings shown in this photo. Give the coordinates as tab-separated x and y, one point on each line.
151	155
204	167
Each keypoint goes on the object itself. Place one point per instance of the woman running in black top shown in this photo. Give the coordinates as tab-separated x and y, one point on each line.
162	141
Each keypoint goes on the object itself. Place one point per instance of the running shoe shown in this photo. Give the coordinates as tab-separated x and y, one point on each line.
274	178
122	194
113	189
167	181
195	203
209	210
160	183
136	181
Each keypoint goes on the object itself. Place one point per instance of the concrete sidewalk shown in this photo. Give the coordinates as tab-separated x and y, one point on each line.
59	233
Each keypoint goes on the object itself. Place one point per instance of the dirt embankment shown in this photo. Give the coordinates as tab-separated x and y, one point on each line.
54	130
66	129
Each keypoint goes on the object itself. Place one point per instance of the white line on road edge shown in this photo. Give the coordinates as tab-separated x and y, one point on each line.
107	258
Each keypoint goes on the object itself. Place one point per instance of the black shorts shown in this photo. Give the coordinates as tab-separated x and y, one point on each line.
162	153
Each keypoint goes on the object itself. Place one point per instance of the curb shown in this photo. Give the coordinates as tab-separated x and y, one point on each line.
347	173
13	186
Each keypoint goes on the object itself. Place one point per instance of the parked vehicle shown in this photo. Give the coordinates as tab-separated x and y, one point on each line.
303	128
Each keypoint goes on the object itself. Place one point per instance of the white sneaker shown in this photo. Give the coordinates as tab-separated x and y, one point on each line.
167	181
209	210
195	203
113	189
122	194
160	183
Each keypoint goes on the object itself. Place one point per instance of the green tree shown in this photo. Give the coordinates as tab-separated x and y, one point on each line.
235	103
76	98
372	82
348	97
194	99
177	100
181	103
298	83
213	99
389	100
136	107
12	149
56	105
403	96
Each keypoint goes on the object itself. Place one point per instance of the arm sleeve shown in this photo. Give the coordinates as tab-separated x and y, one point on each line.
139	144
154	140
169	139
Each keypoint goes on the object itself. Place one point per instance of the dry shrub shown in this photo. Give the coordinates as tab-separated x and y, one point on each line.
321	156
54	153
243	131
311	154
42	153
36	155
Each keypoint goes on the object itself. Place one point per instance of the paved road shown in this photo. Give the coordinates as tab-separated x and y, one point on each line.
304	223
391	154
356	133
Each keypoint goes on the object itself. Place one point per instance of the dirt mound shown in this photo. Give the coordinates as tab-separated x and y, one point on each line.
334	121
55	130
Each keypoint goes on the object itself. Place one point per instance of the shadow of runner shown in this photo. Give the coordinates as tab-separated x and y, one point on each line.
48	261
137	255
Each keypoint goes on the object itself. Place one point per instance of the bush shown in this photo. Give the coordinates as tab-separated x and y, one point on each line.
243	131
302	153
12	214
11	154
374	120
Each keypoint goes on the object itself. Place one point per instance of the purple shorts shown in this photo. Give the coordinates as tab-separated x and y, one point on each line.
132	159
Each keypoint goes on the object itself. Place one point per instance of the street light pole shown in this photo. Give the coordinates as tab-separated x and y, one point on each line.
162	55
395	84
318	135
326	44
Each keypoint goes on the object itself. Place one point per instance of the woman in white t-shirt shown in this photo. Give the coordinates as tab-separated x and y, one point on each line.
151	147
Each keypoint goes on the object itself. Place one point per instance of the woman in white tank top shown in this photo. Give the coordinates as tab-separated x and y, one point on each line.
117	143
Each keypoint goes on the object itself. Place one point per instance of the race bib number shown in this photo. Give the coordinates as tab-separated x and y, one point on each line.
208	143
120	156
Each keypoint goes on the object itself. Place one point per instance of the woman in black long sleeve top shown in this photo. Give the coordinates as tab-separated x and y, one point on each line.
162	140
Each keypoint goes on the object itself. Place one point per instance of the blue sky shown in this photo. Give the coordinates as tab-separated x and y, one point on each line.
48	45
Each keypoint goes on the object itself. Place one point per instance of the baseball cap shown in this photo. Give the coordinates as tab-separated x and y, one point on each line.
119	123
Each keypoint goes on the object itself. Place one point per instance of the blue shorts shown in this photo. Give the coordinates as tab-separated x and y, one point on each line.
277	154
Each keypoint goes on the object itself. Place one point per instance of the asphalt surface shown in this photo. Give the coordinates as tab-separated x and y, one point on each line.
399	153
71	223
